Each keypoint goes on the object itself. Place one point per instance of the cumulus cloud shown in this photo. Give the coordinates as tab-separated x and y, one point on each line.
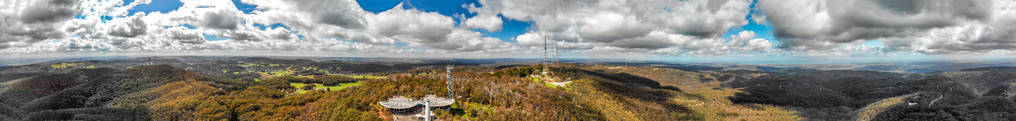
411	25
927	26
185	36
129	28
644	25
48	11
531	39
26	22
344	13
221	20
635	25
244	36
610	26
663	27
488	22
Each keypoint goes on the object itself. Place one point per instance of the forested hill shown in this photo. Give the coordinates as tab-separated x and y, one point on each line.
282	90
969	94
162	92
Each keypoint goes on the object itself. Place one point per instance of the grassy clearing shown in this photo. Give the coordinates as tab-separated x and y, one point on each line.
538	80
322	87
64	65
550	85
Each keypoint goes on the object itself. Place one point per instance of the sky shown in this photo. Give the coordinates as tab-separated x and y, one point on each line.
660	30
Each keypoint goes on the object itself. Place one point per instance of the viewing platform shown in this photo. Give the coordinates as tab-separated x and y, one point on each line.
405	109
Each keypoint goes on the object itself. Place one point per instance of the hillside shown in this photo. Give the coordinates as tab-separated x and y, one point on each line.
165	93
83	94
860	95
484	96
502	92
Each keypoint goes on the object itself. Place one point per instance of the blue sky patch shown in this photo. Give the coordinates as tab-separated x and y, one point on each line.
874	44
163	6
401	44
188	26
260	26
246	8
273	26
443	7
278	25
451	8
102	18
126	2
377	6
212	37
762	30
79	16
509	29
105	18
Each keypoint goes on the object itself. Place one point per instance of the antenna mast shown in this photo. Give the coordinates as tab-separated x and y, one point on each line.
451	94
557	59
544	49
545	56
626	60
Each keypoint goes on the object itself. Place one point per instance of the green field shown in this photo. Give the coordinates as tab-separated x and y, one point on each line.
322	87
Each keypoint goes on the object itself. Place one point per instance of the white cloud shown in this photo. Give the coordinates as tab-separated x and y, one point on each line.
184	35
411	25
491	23
315	26
130	27
27	22
746	41
609	27
932	27
531	39
644	25
337	23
